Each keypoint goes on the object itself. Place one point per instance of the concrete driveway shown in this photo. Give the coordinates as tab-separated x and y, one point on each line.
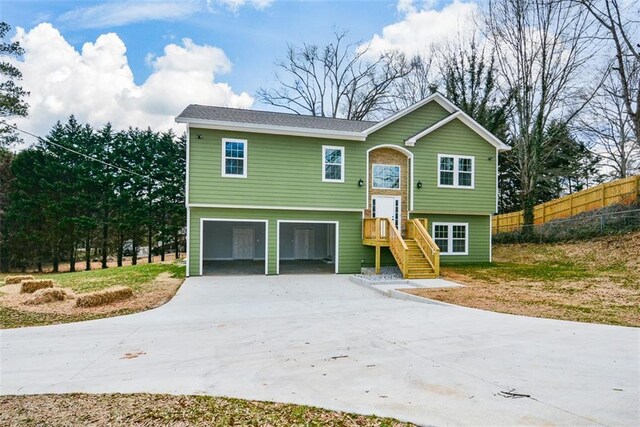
323	341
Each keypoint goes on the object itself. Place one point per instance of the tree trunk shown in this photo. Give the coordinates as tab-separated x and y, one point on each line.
149	240
87	253
105	236
39	266
177	243
56	261
134	252
120	249
72	258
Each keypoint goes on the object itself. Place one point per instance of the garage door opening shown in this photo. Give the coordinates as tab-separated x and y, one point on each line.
307	247
233	247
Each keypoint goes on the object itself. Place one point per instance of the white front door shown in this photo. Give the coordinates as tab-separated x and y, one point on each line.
386	207
243	242
302	243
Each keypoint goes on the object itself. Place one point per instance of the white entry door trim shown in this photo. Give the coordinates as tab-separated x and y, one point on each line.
387	207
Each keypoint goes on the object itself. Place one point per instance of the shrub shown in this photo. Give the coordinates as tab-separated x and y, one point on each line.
106	296
30	286
13	280
47	295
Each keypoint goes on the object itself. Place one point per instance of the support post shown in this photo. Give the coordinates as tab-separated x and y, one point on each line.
377	259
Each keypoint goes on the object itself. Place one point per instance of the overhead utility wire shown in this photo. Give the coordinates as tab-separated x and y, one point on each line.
81	154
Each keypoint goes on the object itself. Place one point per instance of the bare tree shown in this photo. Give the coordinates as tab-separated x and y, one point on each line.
608	125
336	80
416	85
541	51
620	21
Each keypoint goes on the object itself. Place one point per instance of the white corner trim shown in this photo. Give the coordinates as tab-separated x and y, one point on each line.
223	158
412	141
266	238
187	240
342	163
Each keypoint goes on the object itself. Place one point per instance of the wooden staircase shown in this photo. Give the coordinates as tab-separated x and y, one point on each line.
418	266
417	255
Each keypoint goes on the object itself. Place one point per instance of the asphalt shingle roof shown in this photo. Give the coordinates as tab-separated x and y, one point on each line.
237	115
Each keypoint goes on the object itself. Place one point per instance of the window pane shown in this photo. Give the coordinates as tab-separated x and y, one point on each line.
464	165
464	179
446	178
234	149
234	167
386	176
332	172
332	155
459	231
443	244
441	232
458	245
446	163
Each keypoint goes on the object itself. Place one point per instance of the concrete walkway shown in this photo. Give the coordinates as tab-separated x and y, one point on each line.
324	341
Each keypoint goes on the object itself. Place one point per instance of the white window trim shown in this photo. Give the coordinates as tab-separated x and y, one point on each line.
324	158
455	171
450	236
224	158
373	177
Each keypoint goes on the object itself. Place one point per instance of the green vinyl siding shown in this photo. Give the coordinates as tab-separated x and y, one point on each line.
351	252
281	171
479	236
455	138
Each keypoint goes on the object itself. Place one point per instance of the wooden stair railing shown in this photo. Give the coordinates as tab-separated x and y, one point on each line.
398	247
417	231
417	257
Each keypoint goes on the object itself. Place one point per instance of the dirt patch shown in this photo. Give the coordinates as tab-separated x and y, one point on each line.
151	295
596	281
162	410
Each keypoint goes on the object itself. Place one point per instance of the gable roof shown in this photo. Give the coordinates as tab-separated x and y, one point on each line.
236	119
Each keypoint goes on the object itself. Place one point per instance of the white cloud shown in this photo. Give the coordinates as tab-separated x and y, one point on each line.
235	5
423	25
122	12
97	84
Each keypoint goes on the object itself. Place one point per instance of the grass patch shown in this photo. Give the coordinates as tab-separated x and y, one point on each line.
152	285
594	281
161	410
133	276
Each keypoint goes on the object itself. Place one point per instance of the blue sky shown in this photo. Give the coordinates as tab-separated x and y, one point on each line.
242	38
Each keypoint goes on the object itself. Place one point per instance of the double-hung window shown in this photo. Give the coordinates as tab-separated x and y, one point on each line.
455	171
451	238
332	163
386	177
234	158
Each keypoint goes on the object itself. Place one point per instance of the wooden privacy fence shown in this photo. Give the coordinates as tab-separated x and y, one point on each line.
625	190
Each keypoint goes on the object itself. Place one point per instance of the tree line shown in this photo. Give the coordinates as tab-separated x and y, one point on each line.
92	193
557	80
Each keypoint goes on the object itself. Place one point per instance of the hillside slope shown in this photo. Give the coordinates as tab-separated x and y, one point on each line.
590	281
